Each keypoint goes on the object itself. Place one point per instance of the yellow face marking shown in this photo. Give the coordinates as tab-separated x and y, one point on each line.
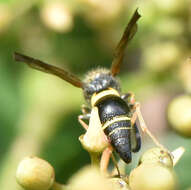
116	119
98	96
120	128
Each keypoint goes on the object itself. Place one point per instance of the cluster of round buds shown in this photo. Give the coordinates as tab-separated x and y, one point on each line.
155	170
35	174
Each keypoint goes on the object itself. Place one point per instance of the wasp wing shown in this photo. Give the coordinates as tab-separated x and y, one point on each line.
135	139
130	31
41	66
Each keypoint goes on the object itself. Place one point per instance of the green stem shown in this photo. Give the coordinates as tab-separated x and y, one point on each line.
95	158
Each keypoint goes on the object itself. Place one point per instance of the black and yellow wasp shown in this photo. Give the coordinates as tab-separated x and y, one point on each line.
102	90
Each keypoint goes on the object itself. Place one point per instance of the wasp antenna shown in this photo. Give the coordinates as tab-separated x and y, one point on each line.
44	67
20	57
128	34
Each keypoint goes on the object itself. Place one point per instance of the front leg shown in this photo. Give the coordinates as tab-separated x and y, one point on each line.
83	124
85	116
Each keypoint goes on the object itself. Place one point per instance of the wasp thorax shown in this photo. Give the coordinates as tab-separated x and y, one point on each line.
97	81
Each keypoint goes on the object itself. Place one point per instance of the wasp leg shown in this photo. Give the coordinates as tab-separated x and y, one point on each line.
138	114
135	135
129	99
83	124
106	155
85	116
135	139
135	109
85	109
115	163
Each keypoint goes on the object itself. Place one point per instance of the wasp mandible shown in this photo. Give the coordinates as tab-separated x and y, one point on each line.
117	112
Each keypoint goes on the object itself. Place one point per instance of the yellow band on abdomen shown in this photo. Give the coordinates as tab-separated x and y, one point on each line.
120	128
115	119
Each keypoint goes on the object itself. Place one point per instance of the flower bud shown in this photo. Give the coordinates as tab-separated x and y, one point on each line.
119	183
157	155
57	16
89	178
35	174
185	74
179	115
152	176
159	62
103	12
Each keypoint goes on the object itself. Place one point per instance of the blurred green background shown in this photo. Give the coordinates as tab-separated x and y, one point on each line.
38	112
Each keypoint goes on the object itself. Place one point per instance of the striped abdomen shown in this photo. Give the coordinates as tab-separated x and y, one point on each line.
116	124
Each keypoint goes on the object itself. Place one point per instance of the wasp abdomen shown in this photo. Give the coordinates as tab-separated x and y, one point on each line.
110	107
113	113
118	133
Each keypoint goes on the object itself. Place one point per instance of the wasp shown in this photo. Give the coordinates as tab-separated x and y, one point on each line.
116	111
